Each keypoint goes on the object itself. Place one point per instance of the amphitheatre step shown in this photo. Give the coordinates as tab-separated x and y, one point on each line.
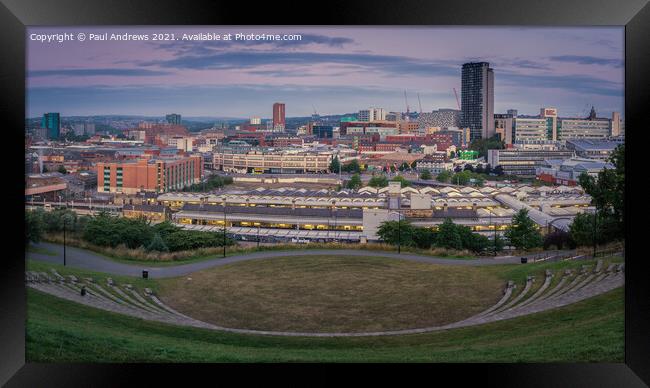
506	295
557	287
129	299
522	294
540	290
145	302
108	294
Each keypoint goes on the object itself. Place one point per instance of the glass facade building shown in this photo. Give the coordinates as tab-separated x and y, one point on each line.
52	122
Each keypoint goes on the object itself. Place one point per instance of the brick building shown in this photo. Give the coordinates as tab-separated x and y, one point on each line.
159	175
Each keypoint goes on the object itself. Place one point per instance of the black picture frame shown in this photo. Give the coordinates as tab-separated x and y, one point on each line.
15	15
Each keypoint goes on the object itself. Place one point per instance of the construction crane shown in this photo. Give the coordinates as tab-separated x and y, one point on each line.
420	103
457	100
407	104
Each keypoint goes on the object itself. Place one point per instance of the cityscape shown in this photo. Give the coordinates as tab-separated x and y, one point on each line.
474	179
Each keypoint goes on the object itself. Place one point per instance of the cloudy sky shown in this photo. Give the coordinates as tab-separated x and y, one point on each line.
333	70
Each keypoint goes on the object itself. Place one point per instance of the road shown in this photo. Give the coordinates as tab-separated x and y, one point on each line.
83	259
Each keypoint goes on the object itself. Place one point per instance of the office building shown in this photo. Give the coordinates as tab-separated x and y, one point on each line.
550	113
275	162
52	121
155	174
477	99
532	128
522	162
504	126
256	121
593	149
372	114
568	171
616	124
173	119
323	131
279	120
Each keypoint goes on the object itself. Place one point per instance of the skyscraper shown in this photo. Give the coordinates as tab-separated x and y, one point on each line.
278	116
173	119
52	122
477	99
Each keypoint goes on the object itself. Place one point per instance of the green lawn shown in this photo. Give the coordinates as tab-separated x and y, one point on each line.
333	294
62	331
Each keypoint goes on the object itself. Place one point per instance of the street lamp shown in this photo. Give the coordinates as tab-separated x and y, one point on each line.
399	234
224	226
595	226
64	253
258	237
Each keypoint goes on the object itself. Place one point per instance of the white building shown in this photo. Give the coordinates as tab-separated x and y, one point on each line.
372	114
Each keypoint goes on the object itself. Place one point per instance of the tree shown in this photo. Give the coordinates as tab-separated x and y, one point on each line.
404	166
608	195
425	174
378	181
403	181
394	232
559	239
157	244
62	170
498	170
483	145
414	164
335	165
444	176
479	169
355	182
452	154
423	238
33	226
448	235
469	167
581	229
352	167
523	232
488	169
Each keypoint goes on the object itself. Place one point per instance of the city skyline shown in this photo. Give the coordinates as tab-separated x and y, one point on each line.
333	70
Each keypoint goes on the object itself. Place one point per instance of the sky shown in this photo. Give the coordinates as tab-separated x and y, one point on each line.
331	70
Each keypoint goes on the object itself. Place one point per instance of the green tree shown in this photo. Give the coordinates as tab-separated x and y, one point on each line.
378	181
523	232
607	193
423	238
404	166
403	181
483	145
355	182
394	232
62	170
352	167
444	176
157	244
33	226
425	174
581	229
449	236
335	165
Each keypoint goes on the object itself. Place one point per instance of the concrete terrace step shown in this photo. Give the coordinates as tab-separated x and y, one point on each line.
522	294
540	290
506	295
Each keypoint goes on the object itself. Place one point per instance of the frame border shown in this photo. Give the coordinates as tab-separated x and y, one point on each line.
17	14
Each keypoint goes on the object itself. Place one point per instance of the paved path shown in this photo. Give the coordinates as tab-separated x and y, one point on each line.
84	259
